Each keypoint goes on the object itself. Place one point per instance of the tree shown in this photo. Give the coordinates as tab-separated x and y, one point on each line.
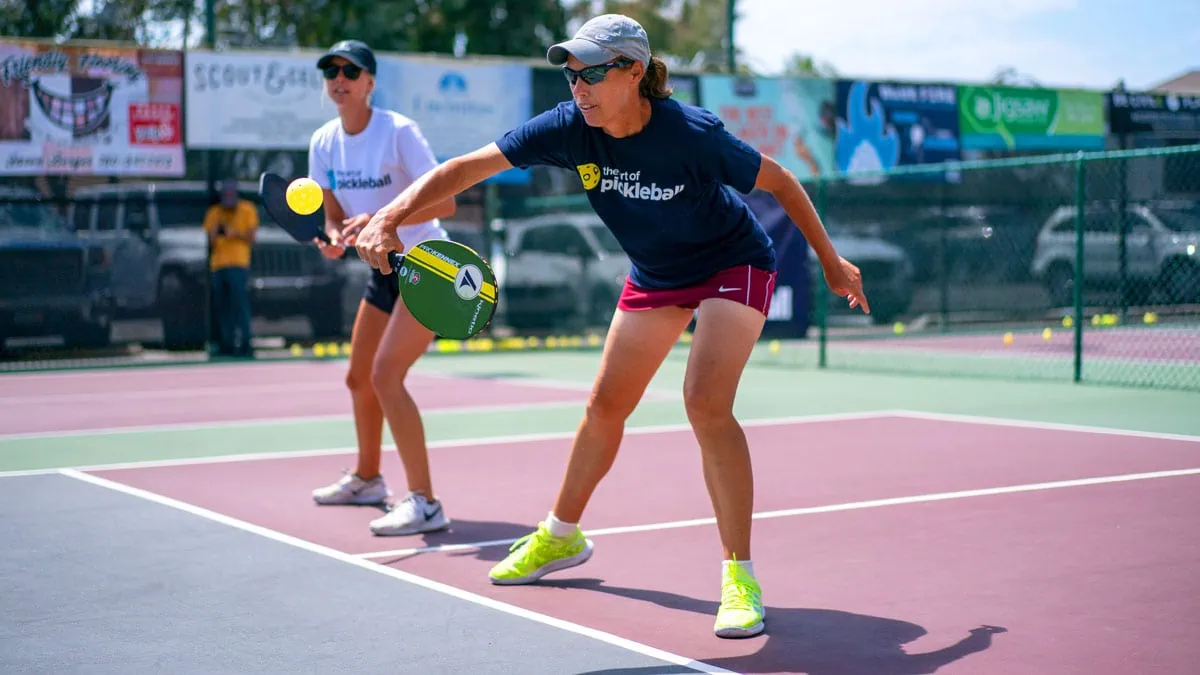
36	18
690	34
1011	77
501	27
804	65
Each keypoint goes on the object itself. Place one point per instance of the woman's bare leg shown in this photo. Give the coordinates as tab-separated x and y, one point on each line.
725	335
369	326
365	485
637	343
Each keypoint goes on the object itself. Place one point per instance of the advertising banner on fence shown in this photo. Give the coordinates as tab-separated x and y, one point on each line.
790	120
791	304
1173	115
883	125
254	100
460	106
90	110
1012	118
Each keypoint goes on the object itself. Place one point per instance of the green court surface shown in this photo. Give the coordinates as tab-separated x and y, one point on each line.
768	390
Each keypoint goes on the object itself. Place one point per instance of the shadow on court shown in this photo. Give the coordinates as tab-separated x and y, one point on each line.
813	641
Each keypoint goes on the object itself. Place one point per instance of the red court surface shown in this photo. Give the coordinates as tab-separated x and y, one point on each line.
1098	578
220	394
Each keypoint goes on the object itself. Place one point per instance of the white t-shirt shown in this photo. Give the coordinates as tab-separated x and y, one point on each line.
367	170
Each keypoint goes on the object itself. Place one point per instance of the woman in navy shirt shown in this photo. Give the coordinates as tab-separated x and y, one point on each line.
662	176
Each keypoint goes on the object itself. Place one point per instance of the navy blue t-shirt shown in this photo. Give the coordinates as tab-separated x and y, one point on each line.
666	192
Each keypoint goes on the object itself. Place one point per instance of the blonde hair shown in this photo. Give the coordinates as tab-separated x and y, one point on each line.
654	81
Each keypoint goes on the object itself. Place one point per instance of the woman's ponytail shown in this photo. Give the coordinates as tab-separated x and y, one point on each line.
654	82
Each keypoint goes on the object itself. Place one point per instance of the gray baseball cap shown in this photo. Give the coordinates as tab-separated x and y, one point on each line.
602	39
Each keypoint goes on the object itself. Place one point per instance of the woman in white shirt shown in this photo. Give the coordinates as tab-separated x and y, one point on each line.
362	160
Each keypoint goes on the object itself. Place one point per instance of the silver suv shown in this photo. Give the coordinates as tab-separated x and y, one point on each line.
1161	250
559	270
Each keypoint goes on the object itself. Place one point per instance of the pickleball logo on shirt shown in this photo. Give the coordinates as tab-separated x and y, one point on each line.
466	282
589	174
628	184
355	180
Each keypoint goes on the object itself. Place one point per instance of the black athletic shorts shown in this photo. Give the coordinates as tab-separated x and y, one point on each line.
382	290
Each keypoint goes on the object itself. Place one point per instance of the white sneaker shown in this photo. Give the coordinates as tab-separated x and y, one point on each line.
353	490
413	515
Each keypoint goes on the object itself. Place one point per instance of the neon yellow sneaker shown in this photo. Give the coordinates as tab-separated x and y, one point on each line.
539	553
741	613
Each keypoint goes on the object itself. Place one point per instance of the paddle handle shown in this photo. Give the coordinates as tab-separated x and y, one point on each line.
395	260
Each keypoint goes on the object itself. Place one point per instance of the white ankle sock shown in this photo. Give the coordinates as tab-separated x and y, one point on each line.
747	565
558	528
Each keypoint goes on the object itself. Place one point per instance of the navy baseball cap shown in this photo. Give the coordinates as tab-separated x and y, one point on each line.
602	39
354	51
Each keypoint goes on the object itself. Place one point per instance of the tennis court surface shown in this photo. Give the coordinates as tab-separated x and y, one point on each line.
904	525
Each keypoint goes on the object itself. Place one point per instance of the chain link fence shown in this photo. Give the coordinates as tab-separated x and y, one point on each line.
1067	268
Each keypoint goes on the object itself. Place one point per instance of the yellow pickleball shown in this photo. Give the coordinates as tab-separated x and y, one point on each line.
304	196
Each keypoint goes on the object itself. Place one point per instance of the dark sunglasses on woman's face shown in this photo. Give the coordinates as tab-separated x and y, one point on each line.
593	74
352	71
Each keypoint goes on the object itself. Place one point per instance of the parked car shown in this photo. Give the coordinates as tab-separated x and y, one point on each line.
562	270
982	244
1161	250
154	234
51	283
887	272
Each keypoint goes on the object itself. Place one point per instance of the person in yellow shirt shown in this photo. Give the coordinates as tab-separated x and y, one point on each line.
232	224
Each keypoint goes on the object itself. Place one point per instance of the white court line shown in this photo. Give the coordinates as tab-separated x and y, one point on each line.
1048	426
270	421
810	510
608	638
451	443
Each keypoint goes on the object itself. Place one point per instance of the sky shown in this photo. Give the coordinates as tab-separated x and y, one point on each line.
1062	43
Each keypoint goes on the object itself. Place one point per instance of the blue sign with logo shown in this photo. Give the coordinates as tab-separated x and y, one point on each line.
460	106
884	125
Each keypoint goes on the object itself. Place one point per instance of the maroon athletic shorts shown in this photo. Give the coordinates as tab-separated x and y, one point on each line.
751	286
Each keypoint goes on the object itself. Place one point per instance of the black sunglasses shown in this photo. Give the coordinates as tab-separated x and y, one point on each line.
352	71
594	74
